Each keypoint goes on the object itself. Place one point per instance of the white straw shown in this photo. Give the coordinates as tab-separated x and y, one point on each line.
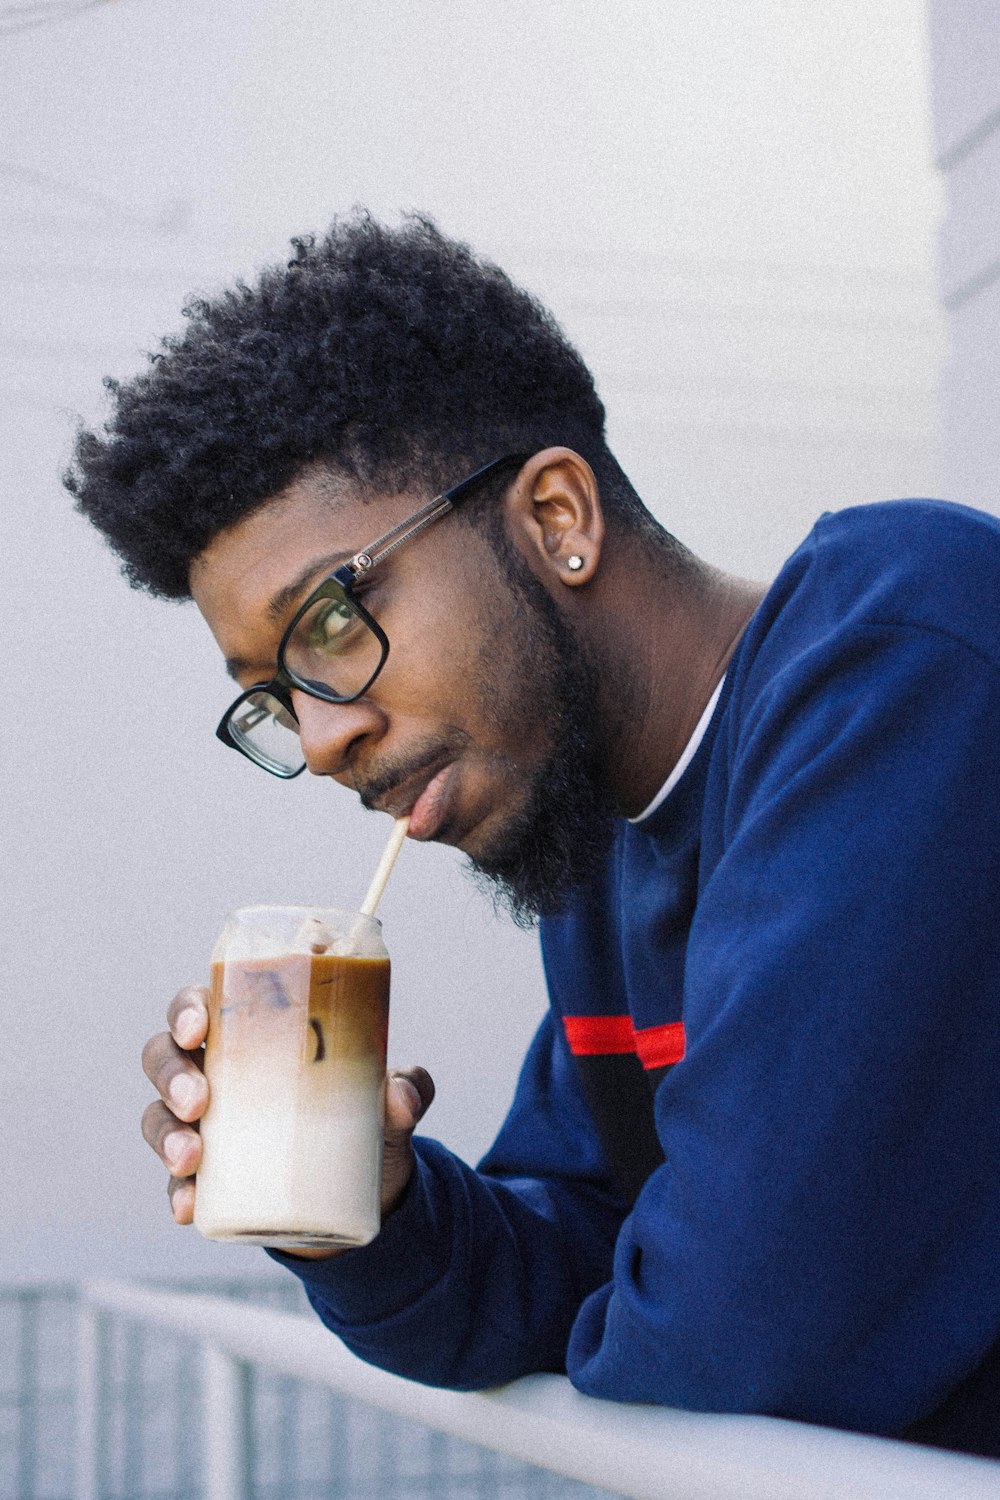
385	864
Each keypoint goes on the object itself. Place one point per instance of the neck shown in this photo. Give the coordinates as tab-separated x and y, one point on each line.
662	658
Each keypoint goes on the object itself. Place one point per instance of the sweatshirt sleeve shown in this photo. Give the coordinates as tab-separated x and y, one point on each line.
477	1276
821	1242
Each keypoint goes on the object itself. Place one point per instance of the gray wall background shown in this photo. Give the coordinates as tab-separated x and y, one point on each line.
965	44
731	208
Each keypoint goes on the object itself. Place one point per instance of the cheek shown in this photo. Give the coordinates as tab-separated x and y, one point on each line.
436	652
425	671
515	682
474	657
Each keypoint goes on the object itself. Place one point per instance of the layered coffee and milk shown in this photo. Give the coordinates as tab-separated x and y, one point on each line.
295	1062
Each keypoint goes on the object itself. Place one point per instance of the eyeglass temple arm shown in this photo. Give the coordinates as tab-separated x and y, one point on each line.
361	562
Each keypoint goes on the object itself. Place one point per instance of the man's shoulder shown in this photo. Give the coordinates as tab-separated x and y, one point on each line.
922	564
906	532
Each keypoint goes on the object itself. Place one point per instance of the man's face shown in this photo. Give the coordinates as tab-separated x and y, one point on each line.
479	724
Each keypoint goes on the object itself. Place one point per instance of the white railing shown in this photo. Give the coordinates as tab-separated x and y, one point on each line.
649	1453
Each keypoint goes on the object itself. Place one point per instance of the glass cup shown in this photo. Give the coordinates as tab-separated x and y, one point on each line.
295	1062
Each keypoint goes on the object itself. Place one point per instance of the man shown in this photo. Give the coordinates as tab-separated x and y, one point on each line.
752	1161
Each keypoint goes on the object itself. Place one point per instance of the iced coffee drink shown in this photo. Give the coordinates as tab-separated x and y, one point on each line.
295	1062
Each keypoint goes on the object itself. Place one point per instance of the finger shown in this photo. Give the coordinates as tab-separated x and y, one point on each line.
409	1095
187	1016
180	1191
176	1077
176	1144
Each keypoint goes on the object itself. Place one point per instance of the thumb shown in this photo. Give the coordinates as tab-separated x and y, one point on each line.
408	1097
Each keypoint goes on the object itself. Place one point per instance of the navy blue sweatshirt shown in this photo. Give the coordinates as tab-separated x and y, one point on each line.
753	1161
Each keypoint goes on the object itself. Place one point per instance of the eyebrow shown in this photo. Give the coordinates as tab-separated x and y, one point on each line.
280	601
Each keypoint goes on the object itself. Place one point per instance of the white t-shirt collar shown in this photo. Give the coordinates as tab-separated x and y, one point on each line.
687	755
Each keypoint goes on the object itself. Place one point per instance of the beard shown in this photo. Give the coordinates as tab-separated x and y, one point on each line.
564	825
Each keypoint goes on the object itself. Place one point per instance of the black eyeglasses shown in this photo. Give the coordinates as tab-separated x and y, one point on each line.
332	648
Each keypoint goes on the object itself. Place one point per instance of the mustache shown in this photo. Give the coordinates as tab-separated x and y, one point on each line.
383	778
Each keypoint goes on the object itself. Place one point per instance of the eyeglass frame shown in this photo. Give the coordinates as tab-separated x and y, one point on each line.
343	580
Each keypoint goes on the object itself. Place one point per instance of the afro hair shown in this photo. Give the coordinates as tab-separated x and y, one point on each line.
395	356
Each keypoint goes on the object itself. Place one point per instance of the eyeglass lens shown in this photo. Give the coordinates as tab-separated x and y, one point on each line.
333	648
263	728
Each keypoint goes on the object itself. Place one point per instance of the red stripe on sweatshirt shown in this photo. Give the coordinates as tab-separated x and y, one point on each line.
658	1046
597	1036
590	1036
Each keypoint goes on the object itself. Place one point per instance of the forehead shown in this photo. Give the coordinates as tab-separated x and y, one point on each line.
253	573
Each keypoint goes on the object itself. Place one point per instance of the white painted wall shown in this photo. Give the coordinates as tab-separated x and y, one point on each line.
732	210
965	43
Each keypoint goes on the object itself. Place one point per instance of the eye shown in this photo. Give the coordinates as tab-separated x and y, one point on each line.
331	625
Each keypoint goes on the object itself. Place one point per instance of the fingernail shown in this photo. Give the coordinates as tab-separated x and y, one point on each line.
174	1146
184	1092
411	1094
182	1203
188	1024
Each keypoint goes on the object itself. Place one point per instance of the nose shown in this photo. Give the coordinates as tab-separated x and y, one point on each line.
331	733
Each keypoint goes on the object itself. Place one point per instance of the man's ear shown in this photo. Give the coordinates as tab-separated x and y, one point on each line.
555	515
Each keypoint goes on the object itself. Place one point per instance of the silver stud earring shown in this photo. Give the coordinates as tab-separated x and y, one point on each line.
574	562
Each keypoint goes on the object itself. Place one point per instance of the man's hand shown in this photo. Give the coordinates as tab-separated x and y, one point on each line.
171	1061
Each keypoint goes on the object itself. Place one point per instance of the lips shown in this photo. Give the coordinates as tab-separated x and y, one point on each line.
422	795
429	810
